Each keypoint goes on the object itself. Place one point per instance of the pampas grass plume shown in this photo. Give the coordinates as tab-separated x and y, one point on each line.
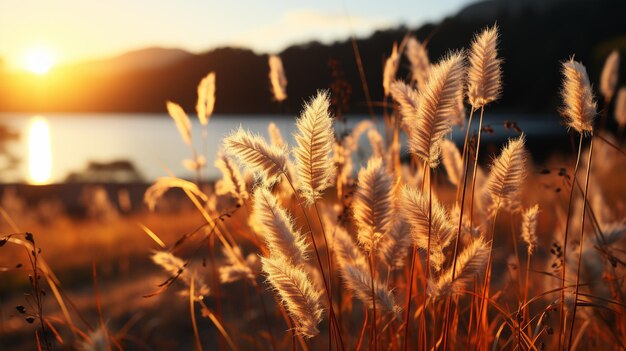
256	155
579	106
484	74
610	75
417	55
297	293
373	203
315	139
206	98
529	227
181	119
437	108
508	172
278	79
390	69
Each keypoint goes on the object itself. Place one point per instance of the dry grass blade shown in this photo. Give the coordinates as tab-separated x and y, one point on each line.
508	172
278	79
417	55
484	74
610	75
373	203
529	227
315	139
414	207
470	262
256	155
181	119
163	184
297	294
206	98
579	106
437	107
278	228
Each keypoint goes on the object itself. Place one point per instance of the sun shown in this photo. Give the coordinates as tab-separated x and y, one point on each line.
39	61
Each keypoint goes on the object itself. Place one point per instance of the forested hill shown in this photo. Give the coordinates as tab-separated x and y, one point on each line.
534	40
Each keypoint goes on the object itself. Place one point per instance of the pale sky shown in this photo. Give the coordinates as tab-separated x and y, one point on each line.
74	30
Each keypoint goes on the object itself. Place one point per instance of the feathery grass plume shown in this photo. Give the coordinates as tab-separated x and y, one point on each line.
610	75
315	139
163	184
579	106
359	280
395	246
620	108
232	182
346	252
256	155
452	161
297	293
484	76
276	137
373	203
417	55
391	68
206	98
278	228
529	227
408	99
278	79
181	119
507	174
237	268
178	268
414	207
437	106
376	142
471	261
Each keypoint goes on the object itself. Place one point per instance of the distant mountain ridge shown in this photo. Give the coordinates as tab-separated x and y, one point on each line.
535	36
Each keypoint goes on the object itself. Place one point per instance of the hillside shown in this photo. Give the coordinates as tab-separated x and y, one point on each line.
535	37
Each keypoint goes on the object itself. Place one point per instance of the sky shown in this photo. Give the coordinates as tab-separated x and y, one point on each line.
77	30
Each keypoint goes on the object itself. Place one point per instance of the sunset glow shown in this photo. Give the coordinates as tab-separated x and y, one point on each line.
39	153
39	61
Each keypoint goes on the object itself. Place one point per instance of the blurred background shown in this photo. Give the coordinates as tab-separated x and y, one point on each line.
83	86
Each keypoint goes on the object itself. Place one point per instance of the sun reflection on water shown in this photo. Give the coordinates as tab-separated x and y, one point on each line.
39	153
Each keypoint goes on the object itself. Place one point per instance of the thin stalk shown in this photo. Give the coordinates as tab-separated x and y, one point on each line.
485	293
374	339
333	319
462	205
569	213
469	125
410	282
480	129
582	237
527	308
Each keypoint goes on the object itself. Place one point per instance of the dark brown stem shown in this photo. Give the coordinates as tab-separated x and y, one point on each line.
569	213
580	245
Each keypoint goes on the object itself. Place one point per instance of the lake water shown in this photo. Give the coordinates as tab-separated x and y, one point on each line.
152	143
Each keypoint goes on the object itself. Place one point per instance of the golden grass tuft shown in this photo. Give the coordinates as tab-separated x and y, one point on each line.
579	106
484	75
437	108
315	139
610	75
